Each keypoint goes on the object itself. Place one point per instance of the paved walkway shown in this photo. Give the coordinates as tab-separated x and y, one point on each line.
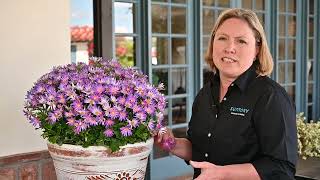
309	168
184	177
306	170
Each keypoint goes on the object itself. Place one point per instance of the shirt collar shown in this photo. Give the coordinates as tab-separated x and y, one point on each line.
246	78
243	80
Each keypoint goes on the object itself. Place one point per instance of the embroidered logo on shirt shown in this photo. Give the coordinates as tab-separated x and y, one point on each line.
238	111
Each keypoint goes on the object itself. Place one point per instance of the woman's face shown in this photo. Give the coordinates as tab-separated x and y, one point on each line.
234	48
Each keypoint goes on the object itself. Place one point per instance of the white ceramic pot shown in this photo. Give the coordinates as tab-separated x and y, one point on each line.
73	162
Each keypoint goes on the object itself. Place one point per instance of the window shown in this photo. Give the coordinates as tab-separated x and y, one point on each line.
81	30
73	53
210	11
169	62
126	32
258	6
310	72
286	59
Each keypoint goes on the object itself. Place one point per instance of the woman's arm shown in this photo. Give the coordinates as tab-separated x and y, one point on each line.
228	172
275	125
183	149
180	147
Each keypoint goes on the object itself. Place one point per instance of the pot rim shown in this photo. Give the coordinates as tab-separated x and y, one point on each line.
150	140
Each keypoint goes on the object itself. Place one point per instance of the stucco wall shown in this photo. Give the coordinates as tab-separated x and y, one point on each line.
34	37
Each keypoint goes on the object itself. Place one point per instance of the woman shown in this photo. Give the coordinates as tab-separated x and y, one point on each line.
243	123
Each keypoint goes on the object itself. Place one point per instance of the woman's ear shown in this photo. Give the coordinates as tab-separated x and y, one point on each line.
257	51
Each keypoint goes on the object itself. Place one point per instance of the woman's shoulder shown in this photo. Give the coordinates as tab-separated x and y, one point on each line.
204	92
270	86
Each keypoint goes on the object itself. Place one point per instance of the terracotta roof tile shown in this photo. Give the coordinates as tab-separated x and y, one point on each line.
81	33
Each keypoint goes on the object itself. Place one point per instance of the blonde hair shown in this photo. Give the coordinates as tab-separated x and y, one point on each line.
265	61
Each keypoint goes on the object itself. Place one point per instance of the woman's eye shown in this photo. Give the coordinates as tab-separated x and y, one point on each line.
221	38
242	42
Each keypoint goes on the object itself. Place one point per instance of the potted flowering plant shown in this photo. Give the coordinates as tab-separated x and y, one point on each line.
99	104
308	147
308	137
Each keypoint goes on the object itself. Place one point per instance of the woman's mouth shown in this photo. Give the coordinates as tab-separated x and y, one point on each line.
228	60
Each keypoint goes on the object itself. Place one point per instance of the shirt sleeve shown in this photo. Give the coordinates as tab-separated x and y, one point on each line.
195	106
194	109
275	124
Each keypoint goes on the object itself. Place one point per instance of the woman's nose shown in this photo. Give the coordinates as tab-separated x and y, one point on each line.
230	48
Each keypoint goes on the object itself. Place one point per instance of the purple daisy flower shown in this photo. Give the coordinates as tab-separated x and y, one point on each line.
147	102
40	89
95	97
130	101
118	72
61	99
71	121
40	100
64	78
96	110
126	131
113	113
100	120
52	117
119	108
51	92
109	123
151	125
35	122
151	94
33	102
133	123
79	126
63	87
106	106
79	86
102	80
89	101
150	109
27	113
108	133
88	88
140	90
77	105
141	115
126	90
122	115
136	108
71	94
115	64
159	116
114	90
88	119
160	87
99	89
58	112
52	105
113	99
103	100
121	100
68	114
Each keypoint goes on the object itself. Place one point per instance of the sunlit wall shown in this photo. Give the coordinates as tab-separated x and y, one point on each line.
34	37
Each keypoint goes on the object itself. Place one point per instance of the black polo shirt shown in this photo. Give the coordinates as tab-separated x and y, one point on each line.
255	123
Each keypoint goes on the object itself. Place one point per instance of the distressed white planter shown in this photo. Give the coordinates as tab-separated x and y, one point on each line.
73	162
